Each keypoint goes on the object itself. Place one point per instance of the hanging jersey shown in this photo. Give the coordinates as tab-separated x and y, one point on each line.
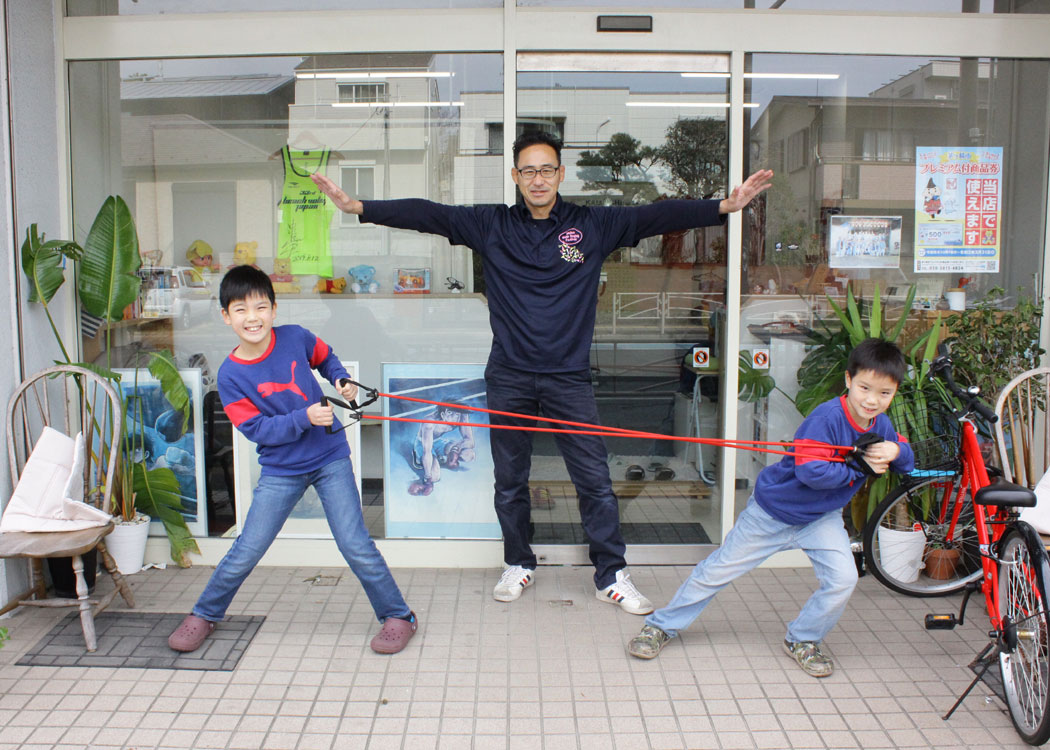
306	214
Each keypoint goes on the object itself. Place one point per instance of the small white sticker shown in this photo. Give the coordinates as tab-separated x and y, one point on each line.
760	359
701	356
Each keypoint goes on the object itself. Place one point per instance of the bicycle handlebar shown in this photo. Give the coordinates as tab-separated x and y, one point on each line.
942	366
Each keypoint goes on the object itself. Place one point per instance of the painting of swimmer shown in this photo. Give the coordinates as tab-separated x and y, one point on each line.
165	443
438	473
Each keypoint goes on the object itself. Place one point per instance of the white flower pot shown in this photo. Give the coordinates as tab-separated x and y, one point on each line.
900	553
127	544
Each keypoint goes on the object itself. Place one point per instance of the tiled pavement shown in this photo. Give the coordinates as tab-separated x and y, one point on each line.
547	672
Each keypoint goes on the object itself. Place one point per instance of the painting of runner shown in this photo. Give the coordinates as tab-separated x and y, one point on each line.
438	474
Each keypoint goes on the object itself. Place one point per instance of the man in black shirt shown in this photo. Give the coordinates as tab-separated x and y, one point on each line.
542	262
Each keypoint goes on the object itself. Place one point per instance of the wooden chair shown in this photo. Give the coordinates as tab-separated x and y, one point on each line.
69	399
1022	434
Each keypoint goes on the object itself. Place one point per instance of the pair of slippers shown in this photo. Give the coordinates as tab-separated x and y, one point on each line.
661	472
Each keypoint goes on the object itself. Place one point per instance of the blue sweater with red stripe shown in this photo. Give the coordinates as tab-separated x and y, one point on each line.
267	398
800	490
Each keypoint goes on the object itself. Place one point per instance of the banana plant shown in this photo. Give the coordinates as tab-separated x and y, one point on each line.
107	283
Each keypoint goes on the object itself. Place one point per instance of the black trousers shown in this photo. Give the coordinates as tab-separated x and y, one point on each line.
562	395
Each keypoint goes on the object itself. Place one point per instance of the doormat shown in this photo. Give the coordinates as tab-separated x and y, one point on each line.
570	532
140	639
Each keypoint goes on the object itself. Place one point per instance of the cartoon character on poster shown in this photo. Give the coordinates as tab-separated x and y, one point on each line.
931	199
438	470
440	447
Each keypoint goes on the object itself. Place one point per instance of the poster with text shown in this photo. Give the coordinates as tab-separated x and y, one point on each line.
958	209
438	473
864	241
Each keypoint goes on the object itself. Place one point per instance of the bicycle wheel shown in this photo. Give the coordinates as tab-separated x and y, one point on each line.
914	523
1026	665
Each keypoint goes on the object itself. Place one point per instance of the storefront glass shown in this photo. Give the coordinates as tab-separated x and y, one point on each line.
895	175
207	152
158	7
638	129
896	6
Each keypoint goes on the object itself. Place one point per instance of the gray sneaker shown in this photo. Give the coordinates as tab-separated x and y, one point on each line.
813	661
648	643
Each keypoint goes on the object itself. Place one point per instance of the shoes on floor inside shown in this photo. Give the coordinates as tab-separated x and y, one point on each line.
514	580
623	592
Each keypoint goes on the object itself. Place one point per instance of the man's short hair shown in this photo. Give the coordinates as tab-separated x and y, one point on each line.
879	355
242	282
536	138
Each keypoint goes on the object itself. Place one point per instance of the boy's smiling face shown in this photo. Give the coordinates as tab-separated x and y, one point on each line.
869	394
251	319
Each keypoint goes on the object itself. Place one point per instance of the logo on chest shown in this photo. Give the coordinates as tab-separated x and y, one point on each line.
567	242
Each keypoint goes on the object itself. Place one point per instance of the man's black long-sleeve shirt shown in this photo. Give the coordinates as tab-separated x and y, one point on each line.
542	275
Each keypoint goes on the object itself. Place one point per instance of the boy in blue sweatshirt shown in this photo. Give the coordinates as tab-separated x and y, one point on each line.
797	504
271	396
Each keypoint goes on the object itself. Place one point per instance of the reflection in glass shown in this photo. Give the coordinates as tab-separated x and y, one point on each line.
214	156
900	174
631	138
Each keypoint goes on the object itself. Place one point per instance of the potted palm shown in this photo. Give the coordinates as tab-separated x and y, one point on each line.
107	283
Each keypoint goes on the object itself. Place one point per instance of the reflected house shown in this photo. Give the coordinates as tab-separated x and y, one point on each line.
194	153
391	123
856	155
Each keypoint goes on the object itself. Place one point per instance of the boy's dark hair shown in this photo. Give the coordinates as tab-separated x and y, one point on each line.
536	138
242	282
879	355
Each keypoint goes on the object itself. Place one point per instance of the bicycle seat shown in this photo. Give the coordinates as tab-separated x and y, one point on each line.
1001	492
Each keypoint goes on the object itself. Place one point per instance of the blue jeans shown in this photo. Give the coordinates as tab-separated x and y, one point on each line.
272	502
559	395
755	537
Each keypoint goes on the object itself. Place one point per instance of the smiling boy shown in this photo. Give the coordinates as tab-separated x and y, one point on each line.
270	395
797	504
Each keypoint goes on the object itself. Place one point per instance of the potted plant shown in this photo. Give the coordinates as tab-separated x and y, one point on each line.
941	559
107	284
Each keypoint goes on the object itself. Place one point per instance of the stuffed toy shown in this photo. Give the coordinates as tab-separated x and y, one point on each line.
363	280
283	281
201	258
330	286
244	254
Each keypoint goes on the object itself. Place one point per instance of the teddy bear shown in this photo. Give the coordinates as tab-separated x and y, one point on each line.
283	281
330	286
363	280
244	254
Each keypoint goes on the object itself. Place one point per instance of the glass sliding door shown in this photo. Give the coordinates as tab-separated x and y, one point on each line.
639	128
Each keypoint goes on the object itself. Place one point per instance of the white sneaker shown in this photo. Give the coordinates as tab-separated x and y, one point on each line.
624	593
514	580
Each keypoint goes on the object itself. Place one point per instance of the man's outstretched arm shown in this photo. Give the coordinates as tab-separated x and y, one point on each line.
342	201
744	194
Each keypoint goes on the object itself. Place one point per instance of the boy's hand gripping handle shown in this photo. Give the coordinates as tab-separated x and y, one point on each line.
353	407
856	456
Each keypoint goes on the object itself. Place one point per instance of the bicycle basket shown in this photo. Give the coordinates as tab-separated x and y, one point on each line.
931	429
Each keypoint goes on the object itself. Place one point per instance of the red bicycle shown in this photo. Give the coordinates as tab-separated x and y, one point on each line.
967	511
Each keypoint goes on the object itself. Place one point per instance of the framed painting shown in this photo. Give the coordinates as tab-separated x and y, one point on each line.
437	478
307	520
164	441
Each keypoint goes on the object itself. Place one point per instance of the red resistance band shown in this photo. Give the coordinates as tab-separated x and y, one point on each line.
600	430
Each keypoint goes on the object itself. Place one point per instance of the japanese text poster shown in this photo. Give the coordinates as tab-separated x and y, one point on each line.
958	197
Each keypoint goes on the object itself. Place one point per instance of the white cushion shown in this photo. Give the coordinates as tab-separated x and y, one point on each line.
49	494
1039	516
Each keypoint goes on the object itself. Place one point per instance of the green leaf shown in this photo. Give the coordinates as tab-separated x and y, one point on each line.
752	384
157	495
107	281
162	366
42	264
875	324
904	315
856	326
